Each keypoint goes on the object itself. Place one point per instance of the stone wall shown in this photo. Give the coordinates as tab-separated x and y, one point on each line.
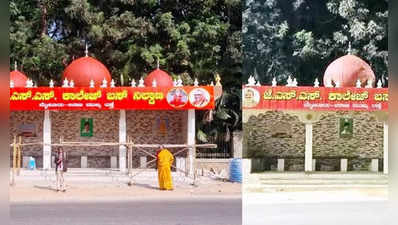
277	134
262	140
66	124
143	127
156	127
18	118
367	140
220	167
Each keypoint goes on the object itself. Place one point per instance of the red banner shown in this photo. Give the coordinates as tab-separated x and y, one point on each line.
133	98
311	98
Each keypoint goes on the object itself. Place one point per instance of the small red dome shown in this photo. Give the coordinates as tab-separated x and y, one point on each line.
347	70
18	78
85	69
162	79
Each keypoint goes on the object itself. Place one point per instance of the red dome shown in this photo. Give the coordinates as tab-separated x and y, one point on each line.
161	77
85	69
18	78
347	70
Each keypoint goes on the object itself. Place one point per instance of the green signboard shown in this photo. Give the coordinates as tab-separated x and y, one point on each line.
346	127
86	127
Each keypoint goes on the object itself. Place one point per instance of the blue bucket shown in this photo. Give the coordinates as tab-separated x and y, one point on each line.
235	170
32	163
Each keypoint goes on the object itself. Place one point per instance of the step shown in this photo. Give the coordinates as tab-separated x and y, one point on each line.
325	182
310	187
314	175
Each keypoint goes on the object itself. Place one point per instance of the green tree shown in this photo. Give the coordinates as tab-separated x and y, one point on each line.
301	37
191	38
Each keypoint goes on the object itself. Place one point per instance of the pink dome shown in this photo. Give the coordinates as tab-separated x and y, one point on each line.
347	70
162	79
85	69
18	78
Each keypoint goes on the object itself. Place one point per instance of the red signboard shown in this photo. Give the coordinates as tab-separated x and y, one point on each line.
118	98
312	98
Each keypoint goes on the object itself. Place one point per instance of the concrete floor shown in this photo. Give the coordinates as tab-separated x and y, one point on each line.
321	213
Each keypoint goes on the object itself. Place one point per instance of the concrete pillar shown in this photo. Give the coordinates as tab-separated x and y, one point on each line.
374	166
308	148
83	161
191	140
180	164
281	165
143	162
246	166
313	164
113	162
385	148
123	139
53	161
237	144
343	165
25	161
47	141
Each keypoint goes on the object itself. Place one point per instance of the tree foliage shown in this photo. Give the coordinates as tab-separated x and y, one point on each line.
301	37
191	38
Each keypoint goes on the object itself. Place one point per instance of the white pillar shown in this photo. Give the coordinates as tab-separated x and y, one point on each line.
113	162
53	161
343	165
25	161
47	140
308	147
385	148
143	162
180	164
122	138
83	161
313	164
374	165
191	140
246	167
281	165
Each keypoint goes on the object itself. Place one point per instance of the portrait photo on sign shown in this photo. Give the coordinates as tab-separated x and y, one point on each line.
177	97
251	97
86	127
199	97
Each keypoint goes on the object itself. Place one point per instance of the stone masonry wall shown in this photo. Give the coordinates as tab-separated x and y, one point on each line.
18	118
276	134
367	140
259	131
143	127
105	129
155	127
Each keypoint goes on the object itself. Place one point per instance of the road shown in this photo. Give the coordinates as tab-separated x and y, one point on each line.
324	213
196	211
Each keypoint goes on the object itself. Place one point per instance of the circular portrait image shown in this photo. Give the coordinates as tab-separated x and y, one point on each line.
251	97
177	97
199	97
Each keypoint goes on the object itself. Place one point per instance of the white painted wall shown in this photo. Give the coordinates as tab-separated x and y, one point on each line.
47	140
191	140
122	138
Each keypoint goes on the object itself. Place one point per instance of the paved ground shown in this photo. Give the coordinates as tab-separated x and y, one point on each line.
321	213
366	206
97	186
102	198
190	211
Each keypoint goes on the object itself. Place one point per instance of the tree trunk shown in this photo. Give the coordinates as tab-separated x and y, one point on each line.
44	25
